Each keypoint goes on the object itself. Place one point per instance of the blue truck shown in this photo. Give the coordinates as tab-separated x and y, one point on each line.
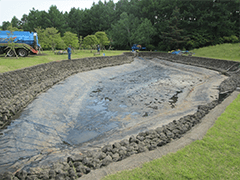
24	43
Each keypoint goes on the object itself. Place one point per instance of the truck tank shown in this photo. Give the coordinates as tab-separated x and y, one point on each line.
25	42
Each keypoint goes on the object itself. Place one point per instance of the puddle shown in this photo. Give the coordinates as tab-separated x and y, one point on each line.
173	100
90	109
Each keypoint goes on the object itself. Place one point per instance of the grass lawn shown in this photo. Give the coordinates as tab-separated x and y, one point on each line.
12	63
222	51
216	156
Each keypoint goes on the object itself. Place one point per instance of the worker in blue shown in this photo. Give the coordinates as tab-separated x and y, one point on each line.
98	48
69	50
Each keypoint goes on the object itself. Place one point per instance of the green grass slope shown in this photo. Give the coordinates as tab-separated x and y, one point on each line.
222	51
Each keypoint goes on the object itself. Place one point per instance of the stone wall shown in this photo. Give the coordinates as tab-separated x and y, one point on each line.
23	85
215	64
20	87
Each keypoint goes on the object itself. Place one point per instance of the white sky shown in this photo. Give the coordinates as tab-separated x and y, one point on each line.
10	8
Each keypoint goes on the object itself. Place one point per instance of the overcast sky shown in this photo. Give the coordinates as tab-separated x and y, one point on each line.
10	8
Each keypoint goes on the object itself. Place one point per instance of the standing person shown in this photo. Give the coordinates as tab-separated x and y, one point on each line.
69	52
98	48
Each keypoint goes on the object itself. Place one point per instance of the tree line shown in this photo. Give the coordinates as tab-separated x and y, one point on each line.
156	24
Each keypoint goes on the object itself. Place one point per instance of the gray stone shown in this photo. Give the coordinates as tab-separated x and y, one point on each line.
170	134
21	174
116	145
115	157
124	142
101	155
107	160
140	138
52	174
107	148
75	158
132	139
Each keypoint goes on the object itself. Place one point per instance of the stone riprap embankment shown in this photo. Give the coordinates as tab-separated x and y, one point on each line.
229	68
20	87
75	166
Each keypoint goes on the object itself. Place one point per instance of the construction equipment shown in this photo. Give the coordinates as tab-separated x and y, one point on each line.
137	47
23	42
180	52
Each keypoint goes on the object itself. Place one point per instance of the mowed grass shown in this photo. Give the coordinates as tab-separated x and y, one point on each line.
12	63
222	51
216	156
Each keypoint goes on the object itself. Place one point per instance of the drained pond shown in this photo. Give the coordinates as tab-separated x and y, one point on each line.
97	107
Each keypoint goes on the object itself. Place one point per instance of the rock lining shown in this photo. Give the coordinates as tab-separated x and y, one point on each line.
16	85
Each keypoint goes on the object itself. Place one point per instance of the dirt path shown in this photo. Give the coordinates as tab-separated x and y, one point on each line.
197	133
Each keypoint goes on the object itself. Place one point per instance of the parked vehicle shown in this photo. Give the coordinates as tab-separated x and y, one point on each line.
24	43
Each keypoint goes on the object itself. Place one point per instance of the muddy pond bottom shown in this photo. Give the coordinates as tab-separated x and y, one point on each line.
97	107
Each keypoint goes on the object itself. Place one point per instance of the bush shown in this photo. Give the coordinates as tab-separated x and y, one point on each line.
231	39
150	47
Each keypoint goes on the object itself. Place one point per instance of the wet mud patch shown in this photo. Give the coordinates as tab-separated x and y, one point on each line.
94	108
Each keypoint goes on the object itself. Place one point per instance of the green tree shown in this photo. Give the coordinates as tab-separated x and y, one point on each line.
102	39
101	16
70	39
5	25
11	46
90	40
144	33
35	19
11	28
123	31
50	38
42	39
173	36
15	22
23	21
56	19
78	23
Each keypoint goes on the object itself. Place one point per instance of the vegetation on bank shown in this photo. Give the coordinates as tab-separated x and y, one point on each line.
11	63
151	23
223	51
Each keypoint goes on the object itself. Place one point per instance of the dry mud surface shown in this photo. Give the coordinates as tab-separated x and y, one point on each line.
98	107
197	133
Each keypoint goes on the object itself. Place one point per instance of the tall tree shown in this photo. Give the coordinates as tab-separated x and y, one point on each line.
23	21
56	19
173	36
5	25
144	33
15	22
34	20
123	31
101	16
